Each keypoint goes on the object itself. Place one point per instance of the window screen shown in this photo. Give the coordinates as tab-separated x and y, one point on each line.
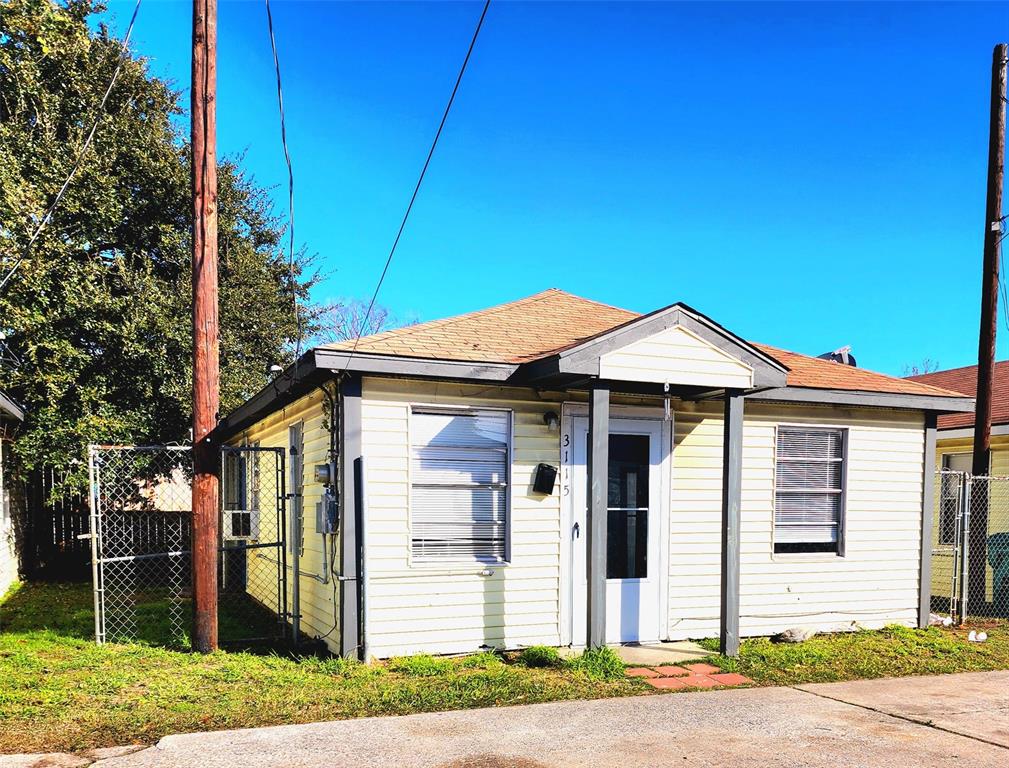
459	485
809	490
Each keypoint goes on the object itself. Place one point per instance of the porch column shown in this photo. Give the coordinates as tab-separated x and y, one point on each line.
598	466
732	474
927	511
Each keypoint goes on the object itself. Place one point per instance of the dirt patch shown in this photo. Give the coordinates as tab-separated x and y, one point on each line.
493	761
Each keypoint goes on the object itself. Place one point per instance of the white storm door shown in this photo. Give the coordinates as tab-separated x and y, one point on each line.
634	509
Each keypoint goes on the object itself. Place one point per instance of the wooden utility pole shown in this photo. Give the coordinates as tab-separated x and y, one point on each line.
978	540
206	376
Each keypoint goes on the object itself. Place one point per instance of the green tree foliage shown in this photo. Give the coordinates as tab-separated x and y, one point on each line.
99	310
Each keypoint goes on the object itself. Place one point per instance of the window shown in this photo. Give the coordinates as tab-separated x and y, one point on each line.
459	466
949	494
627	513
809	490
240	494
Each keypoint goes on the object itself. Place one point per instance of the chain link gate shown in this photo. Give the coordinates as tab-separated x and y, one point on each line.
141	528
970	552
141	542
252	576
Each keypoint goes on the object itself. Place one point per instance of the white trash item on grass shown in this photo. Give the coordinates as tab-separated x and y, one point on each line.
977	637
935	620
794	635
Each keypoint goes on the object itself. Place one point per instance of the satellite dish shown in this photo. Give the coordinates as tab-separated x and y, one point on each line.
842	355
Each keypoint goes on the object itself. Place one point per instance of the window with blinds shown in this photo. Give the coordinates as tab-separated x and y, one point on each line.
459	475
809	490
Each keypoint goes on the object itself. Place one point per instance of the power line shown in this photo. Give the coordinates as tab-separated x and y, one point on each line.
80	155
290	192
420	180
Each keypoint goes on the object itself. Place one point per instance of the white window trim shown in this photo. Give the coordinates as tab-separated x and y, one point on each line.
842	523
461	563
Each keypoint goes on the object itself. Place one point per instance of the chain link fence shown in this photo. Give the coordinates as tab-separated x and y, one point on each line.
141	538
970	548
141	526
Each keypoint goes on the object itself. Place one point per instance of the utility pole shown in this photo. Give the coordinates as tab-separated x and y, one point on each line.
206	376
978	539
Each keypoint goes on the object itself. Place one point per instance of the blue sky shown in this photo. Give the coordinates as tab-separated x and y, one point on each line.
807	174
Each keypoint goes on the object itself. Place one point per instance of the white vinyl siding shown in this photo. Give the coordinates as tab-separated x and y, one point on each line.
459	485
809	489
874	584
676	356
458	607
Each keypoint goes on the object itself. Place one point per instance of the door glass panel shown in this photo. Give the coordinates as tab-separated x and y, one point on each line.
627	518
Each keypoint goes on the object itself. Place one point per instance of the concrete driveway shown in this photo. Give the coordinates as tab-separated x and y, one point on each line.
902	722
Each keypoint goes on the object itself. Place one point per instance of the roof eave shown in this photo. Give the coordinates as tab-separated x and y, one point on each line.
859	397
11	409
369	362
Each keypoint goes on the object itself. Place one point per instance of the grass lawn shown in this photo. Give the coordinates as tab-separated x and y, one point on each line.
59	691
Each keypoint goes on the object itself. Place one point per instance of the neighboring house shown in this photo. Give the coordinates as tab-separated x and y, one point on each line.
11	414
954	450
705	486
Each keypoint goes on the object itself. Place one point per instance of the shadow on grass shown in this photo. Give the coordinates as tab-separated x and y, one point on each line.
67	610
64	609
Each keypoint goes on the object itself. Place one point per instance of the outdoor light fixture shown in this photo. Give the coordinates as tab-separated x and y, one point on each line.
552	420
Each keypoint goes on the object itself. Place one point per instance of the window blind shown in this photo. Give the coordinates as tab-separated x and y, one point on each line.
459	485
809	489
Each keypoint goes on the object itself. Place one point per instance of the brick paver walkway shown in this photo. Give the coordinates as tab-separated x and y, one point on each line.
688	676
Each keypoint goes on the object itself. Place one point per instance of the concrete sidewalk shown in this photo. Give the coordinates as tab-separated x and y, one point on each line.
899	722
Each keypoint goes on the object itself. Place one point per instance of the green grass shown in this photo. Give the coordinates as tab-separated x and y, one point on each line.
540	656
60	691
890	652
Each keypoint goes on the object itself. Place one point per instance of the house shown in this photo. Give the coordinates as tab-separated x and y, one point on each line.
705	485
11	414
954	451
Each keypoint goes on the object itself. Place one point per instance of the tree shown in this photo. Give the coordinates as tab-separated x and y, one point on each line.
346	319
99	310
927	365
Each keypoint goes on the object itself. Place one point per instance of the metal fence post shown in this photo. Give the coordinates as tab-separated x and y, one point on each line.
95	576
965	550
296	524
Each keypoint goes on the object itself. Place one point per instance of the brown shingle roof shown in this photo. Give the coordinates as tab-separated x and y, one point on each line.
547	322
516	332
964	380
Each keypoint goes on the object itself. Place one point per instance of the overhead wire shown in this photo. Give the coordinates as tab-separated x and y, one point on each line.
416	189
290	194
80	155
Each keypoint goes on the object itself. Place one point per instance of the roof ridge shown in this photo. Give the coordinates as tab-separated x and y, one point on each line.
919	376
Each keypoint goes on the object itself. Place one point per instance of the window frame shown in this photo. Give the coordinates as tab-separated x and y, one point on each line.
417	408
842	523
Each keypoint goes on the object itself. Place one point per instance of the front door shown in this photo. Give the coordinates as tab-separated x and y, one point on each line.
634	523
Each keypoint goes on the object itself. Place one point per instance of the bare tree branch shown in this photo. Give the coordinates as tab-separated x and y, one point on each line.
344	319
